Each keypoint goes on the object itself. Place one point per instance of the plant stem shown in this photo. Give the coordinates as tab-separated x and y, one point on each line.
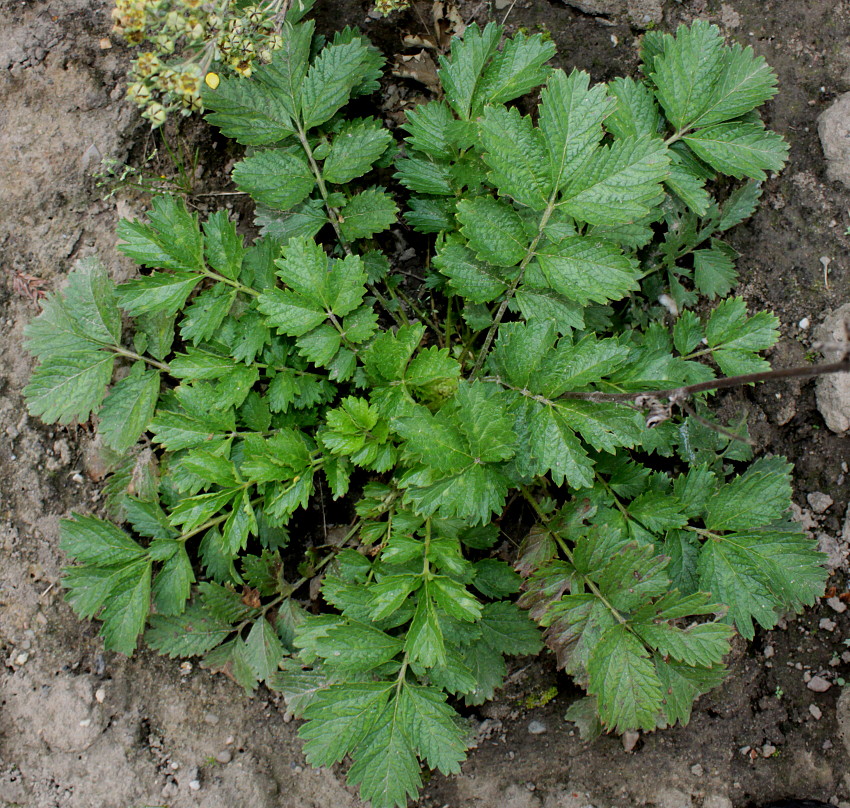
133	355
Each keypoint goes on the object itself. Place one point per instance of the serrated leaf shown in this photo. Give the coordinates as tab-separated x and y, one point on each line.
89	540
635	112
740	149
275	178
476	280
128	408
687	71
487	667
755	498
173	583
425	176
302	220
90	300
192	633
689	187
505	628
515	70
427	126
460	74
494	230
285	73
204	316
355	147
433	727
760	574
424	642
747	81
740	205
171	239
571	115
730	328
621	184
702	645
385	765
714	271
587	269
223	247
682	684
516	154
427	215
336	71
263	649
624	681
125	613
367	213
339	717
69	386
157	293
687	332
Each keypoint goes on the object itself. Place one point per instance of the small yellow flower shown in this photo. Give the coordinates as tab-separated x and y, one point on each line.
212	80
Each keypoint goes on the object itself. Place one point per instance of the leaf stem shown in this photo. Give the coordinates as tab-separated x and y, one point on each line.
133	355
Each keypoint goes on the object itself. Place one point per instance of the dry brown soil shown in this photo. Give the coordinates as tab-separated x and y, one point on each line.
80	728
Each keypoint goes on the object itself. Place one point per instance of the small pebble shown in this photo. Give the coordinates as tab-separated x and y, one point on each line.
21	659
837	605
819	502
804	323
210	718
745	750
818	684
224	756
827	745
815	712
697	770
807	677
826	624
768	750
100	695
536	728
195	785
630	740
86	722
169	790
769	651
297	769
229	740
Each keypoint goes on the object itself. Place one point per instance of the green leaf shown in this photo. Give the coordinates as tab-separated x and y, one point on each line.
302	220
355	147
621	184
477	281
747	81
571	115
430	215
495	579
516	155
90	300
171	239
731	329
714	270
69	386
285	73
263	649
425	176
740	205
248	112
635	112
367	213
204	316
223	247
740	149
158	293
433	727
494	230
148	518
682	684
687	71
506	629
758	497
460	75
385	765
337	70
339	717
624	681
173	583
702	645
275	178
125	613
89	540
357	647
515	70
192	633
585	269
128	408
428	129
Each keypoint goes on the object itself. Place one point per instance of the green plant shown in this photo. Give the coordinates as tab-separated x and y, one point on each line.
188	39
505	397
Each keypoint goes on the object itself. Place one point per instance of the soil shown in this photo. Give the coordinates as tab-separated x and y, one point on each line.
87	729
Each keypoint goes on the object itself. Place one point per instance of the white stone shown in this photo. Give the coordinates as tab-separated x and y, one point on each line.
834	132
826	624
819	502
818	684
833	390
837	605
815	712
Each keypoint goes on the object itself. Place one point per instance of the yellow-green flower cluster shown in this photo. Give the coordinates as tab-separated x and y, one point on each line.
187	37
386	7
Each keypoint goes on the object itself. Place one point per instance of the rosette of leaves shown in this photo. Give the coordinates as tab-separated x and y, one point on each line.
262	380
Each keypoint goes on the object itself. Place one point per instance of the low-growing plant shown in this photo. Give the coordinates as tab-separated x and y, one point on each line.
527	389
